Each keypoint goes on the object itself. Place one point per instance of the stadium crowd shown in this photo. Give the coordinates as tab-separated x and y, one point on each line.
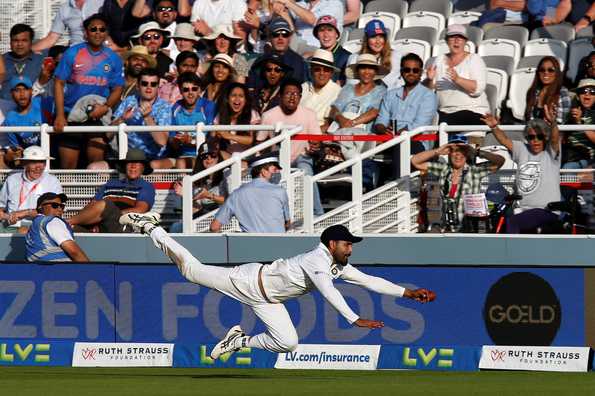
236	62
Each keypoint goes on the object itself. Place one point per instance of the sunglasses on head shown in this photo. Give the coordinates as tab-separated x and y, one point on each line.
188	89
153	84
281	34
585	91
154	36
274	69
165	9
96	29
547	70
413	70
538	137
54	205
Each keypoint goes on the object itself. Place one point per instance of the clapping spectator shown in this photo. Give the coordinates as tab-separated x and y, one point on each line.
219	74
222	40
256	19
273	71
235	108
547	90
578	149
459	78
152	36
327	32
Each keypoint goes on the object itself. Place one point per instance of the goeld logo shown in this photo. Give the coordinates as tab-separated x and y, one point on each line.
17	353
522	308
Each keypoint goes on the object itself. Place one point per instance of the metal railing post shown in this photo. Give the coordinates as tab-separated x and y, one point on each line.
199	128
187	204
285	162
44	139
236	172
122	141
308	204
357	193
442	134
405	156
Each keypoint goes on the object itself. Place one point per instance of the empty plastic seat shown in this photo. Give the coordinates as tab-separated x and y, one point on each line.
475	34
520	81
423	49
443	7
585	32
577	50
441	48
463	17
425	18
499	79
516	33
547	47
391	21
424	33
500	47
504	63
563	32
399	7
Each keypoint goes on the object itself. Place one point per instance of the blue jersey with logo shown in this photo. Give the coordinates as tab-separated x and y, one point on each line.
89	73
181	116
36	115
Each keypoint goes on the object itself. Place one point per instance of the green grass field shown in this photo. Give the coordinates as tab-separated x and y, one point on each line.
49	381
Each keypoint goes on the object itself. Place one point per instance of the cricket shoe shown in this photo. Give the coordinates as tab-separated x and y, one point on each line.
231	343
141	222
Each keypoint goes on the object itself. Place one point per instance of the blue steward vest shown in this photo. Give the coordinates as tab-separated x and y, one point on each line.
39	244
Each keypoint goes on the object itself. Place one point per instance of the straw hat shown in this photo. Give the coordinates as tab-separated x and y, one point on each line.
324	58
140	50
185	31
366	59
222	58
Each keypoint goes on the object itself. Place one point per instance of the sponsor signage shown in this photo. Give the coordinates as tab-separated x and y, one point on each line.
330	357
23	353
423	357
88	354
534	358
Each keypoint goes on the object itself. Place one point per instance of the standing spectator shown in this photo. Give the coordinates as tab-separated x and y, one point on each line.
406	108
123	22
206	14
87	68
280	34
28	112
260	205
44	85
547	90
538	170
155	39
21	60
222	40
186	62
459	79
320	93
190	110
273	71
69	19
147	108
20	191
289	112
50	238
376	42
136	59
578	150
219	74
235	108
305	14
131	194
328	34
184	39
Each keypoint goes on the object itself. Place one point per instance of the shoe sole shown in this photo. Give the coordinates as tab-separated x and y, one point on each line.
233	330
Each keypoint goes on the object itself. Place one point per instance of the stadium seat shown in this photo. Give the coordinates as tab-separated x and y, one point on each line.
391	21
585	32
405	46
544	47
563	32
426	19
501	62
441	48
499	79
353	46
520	81
516	33
492	94
577	50
399	7
443	7
355	34
529	61
470	5
463	17
500	47
475	34
423	33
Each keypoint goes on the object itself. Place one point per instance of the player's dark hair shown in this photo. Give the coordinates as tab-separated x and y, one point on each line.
182	56
96	17
21	28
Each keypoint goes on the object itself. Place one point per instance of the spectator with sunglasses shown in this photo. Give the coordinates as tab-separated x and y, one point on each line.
186	62
547	90
147	108
538	170
50	237
165	14
586	66
152	36
578	148
272	73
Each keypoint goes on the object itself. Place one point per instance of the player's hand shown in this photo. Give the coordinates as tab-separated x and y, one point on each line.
420	295
370	324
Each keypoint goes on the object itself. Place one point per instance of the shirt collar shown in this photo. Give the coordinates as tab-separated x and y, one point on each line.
326	252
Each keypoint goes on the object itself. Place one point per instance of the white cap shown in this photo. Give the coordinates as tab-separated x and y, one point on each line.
34	153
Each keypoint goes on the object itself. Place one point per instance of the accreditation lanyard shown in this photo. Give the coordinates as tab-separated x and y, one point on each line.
22	196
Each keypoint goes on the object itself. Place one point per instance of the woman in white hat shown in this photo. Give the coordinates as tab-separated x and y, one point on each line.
578	149
223	41
184	40
19	193
219	73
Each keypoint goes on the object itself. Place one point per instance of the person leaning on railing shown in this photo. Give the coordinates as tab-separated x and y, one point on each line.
457	177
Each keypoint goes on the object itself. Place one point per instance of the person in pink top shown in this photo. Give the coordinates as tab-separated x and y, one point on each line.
289	112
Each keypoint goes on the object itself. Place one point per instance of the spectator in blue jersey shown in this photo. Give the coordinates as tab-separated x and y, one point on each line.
190	110
50	237
28	112
87	68
118	196
147	108
20	60
187	61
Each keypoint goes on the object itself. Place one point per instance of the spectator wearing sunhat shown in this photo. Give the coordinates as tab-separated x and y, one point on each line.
279	37
578	149
273	72
130	194
327	32
135	60
222	40
220	72
152	36
206	14
320	93
20	191
183	39
259	206
50	237
306	13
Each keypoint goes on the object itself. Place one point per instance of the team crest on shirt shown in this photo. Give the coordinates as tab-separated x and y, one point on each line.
106	68
336	271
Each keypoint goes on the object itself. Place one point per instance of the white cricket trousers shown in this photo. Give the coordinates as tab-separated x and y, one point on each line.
239	283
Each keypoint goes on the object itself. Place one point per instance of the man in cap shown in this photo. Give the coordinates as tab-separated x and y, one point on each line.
152	36
50	237
118	196
261	205
327	32
20	191
265	288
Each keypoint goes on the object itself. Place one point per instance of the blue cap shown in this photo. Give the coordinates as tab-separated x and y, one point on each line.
458	139
20	80
375	27
279	24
